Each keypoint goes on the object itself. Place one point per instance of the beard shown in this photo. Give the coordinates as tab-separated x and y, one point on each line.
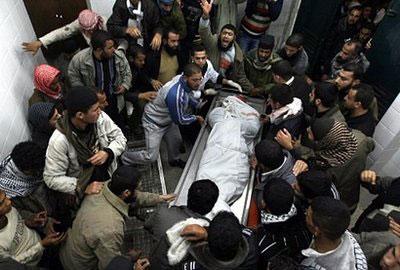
222	48
171	51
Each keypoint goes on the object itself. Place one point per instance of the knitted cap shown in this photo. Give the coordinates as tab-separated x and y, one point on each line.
79	99
267	42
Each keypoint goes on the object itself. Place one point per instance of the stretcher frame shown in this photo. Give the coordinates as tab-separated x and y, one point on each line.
242	205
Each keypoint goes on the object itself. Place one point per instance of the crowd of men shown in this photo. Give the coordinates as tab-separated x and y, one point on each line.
152	69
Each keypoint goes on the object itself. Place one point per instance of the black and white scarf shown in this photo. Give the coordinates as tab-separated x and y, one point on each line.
14	182
267	218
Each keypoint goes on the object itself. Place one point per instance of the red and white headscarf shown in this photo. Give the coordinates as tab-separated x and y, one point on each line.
89	20
44	76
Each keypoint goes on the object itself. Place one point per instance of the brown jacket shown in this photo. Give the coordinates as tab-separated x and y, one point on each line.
97	233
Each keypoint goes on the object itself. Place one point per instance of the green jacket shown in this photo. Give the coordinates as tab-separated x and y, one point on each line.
175	20
261	79
97	233
210	41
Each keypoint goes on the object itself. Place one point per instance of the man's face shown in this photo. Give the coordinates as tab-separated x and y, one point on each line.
102	98
290	50
349	100
309	222
108	50
166	7
54	118
91	116
5	204
55	84
139	61
200	58
344	80
391	259
173	41
367	12
263	54
364	35
347	52
312	96
227	36
354	16
194	81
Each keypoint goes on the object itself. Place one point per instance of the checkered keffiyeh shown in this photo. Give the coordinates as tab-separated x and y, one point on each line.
267	218
89	20
44	76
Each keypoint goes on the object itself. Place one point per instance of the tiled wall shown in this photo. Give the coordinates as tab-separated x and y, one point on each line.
102	7
385	159
16	69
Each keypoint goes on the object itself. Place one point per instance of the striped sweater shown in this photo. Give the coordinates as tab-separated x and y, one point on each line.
259	15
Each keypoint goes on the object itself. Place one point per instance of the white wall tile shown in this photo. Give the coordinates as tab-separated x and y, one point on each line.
16	69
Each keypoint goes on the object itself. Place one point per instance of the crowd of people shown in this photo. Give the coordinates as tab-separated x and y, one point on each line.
151	70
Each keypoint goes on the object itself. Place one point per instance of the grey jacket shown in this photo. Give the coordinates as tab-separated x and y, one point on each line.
62	166
81	71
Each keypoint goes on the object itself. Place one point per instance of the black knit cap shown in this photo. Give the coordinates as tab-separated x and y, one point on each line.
267	42
80	99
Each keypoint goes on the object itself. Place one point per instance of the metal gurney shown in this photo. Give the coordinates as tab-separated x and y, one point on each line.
241	206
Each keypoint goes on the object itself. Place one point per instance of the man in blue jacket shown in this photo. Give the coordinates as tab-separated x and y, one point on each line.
163	115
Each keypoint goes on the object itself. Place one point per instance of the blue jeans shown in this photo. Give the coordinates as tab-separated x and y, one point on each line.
246	42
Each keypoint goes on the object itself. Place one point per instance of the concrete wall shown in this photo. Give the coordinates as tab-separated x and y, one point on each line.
16	71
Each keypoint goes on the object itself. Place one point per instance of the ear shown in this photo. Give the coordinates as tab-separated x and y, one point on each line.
317	101
317	231
357	104
80	115
126	193
356	82
263	205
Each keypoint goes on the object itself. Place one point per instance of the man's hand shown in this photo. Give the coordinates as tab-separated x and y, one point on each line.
299	167
94	188
194	232
200	119
133	32
156	84
234	85
284	138
53	239
368	176
253	162
32	47
156	42
394	227
50	226
120	90
99	158
206	8
141	264
168	197
37	220
148	96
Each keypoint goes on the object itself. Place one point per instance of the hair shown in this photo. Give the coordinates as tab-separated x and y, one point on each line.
169	30
202	196
283	262
136	50
191	69
229	26
283	69
198	48
356	7
357	46
28	156
278	196
80	99
326	92
356	69
365	94
282	93
315	183
368	25
331	216
124	178
295	40
99	38
224	236
270	154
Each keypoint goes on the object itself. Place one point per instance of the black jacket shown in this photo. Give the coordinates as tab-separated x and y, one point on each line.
118	21
288	238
